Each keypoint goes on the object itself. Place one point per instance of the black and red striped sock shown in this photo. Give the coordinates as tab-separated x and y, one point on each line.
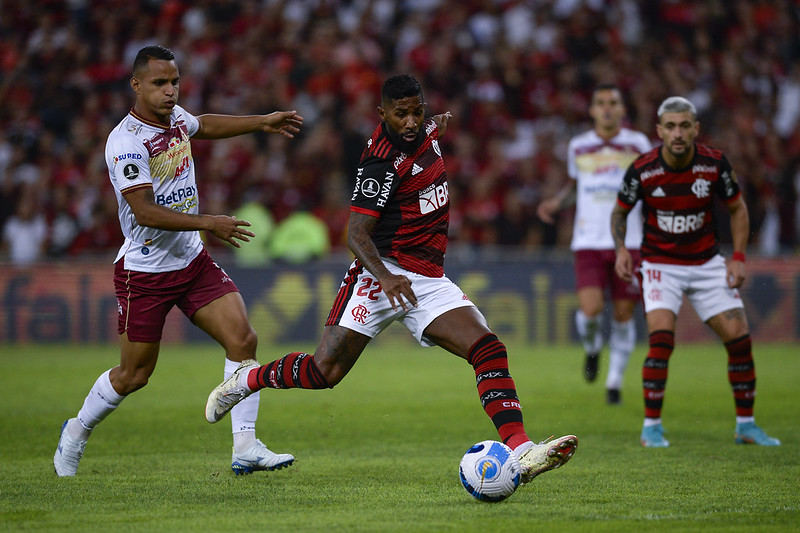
742	374
654	371
497	390
293	370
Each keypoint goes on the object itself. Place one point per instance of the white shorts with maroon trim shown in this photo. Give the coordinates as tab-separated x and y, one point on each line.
705	286
361	304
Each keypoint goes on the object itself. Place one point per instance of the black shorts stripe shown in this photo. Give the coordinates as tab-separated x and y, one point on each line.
344	294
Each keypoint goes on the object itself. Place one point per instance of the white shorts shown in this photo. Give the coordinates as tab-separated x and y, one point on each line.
361	304
705	286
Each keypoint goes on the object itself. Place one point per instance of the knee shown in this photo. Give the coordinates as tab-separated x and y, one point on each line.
128	380
333	376
623	315
244	345
250	341
330	370
591	311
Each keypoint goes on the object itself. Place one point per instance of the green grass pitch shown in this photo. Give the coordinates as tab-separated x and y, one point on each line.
381	451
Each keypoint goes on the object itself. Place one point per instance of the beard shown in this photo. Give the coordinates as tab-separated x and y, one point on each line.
401	144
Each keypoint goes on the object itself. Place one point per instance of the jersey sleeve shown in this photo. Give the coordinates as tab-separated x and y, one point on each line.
376	182
644	143
128	163
572	165
192	123
728	185
630	188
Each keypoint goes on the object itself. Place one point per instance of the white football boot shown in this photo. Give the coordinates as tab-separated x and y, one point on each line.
547	455
259	457
68	453
228	393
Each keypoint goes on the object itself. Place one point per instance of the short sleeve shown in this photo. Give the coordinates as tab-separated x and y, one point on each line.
376	181
192	124
572	165
128	162
728	185
630	188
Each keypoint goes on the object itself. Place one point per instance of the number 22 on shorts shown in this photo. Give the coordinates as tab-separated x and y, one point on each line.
369	289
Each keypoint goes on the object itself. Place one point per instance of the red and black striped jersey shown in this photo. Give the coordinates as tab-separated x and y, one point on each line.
408	193
678	204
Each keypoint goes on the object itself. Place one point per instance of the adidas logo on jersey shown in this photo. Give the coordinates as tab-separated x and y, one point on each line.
416	169
659	192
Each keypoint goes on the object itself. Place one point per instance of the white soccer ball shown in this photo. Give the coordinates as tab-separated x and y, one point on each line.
490	471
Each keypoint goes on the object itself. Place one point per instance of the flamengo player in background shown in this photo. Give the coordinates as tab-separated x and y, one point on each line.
162	262
399	217
677	183
596	162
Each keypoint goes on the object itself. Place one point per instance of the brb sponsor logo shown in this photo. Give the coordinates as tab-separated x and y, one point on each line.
433	198
678	224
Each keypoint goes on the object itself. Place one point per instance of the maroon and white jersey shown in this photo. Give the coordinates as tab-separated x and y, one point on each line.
408	193
597	166
678	204
143	154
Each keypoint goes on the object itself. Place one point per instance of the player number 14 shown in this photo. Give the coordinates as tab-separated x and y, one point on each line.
653	276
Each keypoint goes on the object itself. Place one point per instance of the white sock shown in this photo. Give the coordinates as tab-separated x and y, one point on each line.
621	344
589	332
652	422
76	429
745	419
243	414
230	368
524	447
243	441
99	403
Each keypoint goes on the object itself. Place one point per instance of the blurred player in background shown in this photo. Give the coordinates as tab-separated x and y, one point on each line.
677	183
399	218
596	162
162	262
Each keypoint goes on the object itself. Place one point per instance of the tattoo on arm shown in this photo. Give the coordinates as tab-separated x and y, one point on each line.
619	227
361	244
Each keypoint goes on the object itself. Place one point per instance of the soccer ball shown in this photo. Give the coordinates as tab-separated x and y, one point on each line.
490	471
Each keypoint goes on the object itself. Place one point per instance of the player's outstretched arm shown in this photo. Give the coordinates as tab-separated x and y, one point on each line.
564	198
441	121
286	123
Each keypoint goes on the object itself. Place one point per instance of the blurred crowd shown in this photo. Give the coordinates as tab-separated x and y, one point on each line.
517	76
